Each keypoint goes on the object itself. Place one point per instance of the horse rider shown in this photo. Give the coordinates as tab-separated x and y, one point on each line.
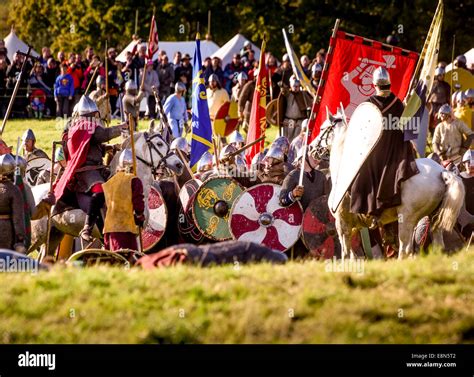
452	137
12	210
85	171
101	99
29	147
125	206
392	161
131	101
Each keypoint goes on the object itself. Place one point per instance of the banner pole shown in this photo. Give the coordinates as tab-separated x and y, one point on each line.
316	99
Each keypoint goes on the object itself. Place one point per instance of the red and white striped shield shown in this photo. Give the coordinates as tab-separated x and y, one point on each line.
257	216
156	225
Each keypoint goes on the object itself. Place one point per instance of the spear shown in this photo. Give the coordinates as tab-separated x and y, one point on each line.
15	90
134	164
107	84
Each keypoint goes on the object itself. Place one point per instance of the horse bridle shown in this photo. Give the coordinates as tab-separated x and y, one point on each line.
323	152
151	148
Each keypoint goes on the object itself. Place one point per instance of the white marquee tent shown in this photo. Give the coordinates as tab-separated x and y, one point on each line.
207	49
226	52
14	44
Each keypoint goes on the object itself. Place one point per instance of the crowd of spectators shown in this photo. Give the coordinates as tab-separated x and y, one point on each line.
53	84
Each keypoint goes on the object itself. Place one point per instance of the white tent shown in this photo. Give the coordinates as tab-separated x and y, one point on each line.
14	44
469	59
226	52
207	49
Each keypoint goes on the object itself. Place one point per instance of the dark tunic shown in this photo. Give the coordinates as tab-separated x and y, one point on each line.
468	182
315	185
219	253
377	184
12	224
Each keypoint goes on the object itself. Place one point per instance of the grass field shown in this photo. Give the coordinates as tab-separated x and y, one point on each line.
427	300
47	131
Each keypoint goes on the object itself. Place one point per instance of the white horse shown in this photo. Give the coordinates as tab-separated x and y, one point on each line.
152	152
433	189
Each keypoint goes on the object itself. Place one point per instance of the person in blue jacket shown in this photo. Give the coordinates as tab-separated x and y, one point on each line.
64	92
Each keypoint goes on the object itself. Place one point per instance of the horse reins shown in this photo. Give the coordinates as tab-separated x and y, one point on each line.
151	148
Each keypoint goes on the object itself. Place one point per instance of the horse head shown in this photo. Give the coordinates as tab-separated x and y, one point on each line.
330	132
153	151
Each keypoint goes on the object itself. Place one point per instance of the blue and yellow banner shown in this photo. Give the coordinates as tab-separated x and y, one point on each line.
200	121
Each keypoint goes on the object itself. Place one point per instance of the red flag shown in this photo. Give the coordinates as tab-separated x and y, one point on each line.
258	120
349	77
152	39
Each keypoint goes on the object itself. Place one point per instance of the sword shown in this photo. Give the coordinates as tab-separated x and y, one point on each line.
303	162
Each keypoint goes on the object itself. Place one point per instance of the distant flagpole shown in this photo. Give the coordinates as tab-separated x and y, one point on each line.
201	140
258	120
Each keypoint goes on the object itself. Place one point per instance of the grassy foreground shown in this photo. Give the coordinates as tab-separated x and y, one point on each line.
427	300
47	131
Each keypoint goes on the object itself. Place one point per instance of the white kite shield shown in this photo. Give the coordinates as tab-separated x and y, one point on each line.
363	132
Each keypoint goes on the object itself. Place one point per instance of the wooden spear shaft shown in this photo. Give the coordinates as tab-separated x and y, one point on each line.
15	91
91	80
134	164
51	181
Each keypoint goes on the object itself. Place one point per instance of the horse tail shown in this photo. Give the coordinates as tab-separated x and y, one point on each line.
452	203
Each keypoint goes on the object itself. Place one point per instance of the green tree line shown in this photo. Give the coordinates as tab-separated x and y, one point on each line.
75	24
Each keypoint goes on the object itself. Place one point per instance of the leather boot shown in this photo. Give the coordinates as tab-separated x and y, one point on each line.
86	232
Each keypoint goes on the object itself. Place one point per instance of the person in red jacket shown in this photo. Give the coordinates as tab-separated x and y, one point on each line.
75	70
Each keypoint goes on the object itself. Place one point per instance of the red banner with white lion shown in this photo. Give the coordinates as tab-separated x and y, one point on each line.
348	79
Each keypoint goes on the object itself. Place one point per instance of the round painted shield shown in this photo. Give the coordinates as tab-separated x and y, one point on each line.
186	226
227	119
271	112
211	207
156	226
34	167
188	189
257	216
319	230
94	257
